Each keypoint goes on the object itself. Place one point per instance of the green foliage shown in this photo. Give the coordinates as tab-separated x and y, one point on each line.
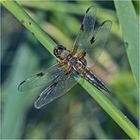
130	28
22	103
16	105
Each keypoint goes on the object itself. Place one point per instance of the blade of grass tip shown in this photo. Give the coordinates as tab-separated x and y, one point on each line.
129	24
100	98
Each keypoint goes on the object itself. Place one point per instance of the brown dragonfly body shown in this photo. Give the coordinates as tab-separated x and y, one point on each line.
77	63
60	78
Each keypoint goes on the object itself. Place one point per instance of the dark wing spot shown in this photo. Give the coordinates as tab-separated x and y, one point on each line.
30	23
103	23
92	40
33	33
88	10
106	21
22	82
82	27
84	53
55	83
40	74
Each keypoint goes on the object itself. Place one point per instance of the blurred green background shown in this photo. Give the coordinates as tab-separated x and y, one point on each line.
75	115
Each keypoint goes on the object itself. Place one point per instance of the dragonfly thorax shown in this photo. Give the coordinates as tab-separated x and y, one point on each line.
78	65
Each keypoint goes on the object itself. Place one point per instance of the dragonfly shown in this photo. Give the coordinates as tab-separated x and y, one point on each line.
61	77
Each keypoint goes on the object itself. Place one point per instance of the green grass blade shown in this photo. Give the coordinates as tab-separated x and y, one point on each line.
30	24
129	24
17	104
78	9
47	42
111	109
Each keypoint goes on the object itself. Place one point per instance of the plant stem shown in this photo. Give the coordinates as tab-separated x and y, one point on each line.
111	109
130	29
47	42
29	23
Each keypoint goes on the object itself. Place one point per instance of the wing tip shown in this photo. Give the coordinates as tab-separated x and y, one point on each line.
36	105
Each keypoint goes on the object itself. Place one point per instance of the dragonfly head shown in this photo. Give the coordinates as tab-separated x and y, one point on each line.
60	52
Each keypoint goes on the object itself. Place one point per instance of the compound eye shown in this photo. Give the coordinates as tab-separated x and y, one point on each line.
58	50
61	47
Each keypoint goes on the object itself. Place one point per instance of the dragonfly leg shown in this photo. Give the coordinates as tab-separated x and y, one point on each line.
74	50
68	69
81	54
62	63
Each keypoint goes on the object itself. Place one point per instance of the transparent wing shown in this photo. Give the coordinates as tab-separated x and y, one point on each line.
96	44
86	30
57	88
41	79
90	39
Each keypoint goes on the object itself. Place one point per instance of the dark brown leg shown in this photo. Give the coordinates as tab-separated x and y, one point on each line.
62	63
74	50
82	54
68	69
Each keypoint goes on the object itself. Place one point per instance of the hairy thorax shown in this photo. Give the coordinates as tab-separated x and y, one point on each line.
78	65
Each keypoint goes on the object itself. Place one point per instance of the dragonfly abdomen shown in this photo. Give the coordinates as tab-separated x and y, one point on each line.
96	82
